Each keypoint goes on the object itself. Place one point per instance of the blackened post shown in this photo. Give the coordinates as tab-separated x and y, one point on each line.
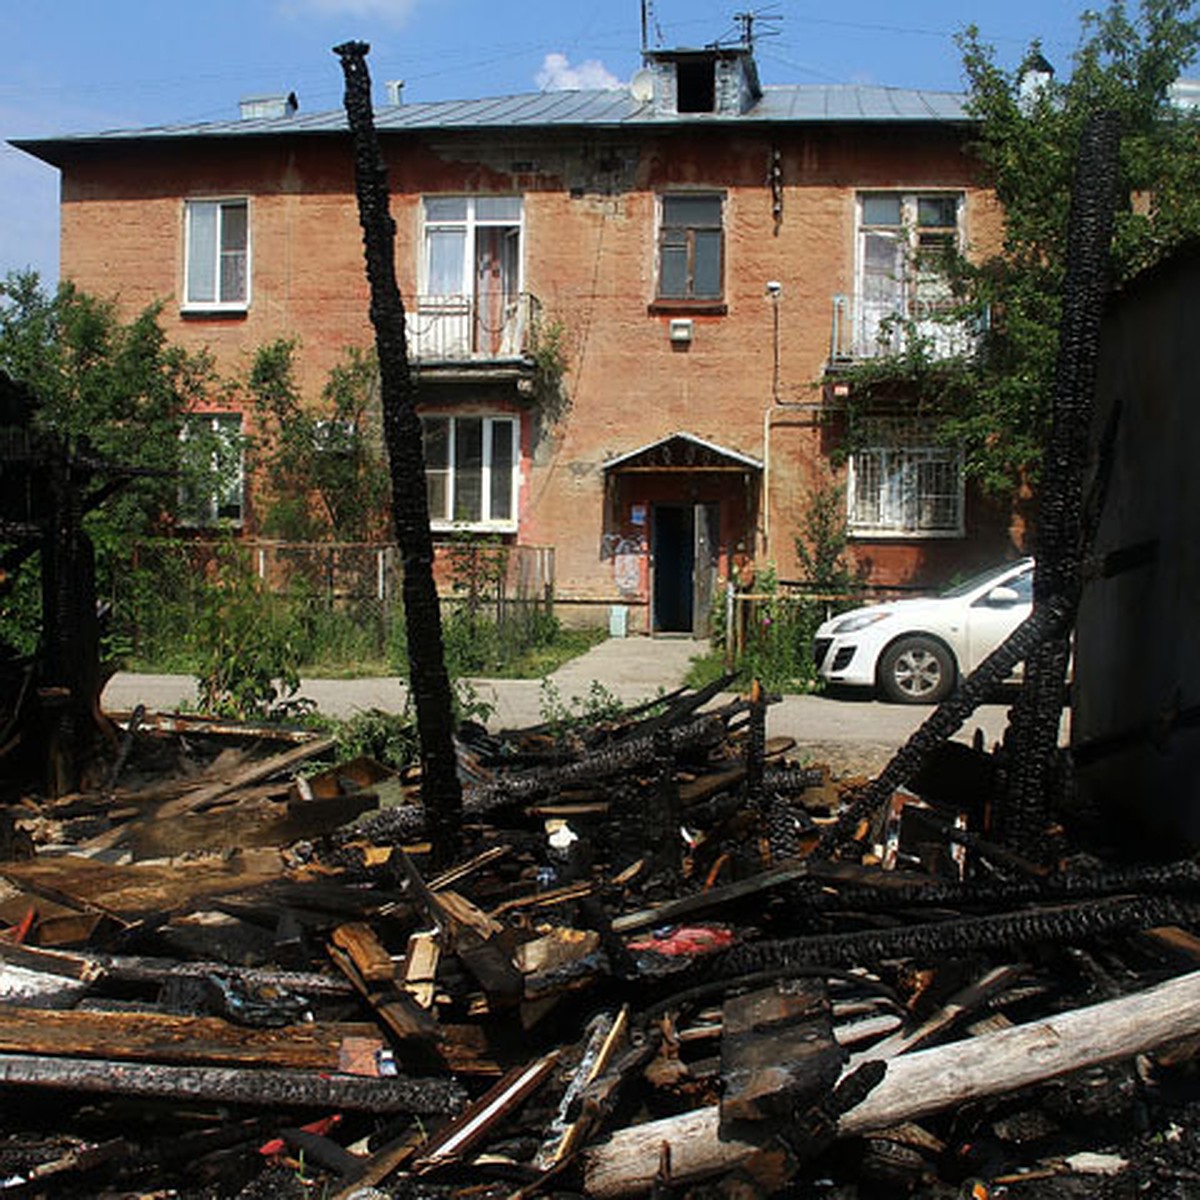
441	792
1024	815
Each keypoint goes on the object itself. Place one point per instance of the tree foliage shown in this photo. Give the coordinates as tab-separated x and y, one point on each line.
324	464
996	401
114	389
1027	143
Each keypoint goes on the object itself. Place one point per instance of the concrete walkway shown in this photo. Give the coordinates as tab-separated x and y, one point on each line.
858	734
631	669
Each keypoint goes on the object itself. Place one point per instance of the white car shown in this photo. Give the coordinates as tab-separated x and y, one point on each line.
915	650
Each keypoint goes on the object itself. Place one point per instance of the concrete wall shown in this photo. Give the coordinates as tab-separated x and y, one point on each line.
1138	639
590	258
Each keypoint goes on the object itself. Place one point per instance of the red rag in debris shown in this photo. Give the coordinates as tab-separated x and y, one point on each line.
320	1127
686	939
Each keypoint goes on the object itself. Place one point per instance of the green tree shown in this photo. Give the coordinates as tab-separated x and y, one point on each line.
996	401
1027	142
324	464
115	390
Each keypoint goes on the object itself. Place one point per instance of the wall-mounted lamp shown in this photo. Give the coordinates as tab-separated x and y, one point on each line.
681	330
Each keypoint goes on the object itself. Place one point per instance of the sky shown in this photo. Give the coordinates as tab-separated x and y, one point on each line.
79	66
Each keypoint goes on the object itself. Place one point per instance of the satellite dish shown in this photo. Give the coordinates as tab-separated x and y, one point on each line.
641	86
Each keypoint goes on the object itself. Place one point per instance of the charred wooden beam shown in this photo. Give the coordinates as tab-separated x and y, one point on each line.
233	1085
1002	931
441	791
1047	622
1024	814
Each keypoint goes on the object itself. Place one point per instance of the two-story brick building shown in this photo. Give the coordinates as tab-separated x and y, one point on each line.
710	252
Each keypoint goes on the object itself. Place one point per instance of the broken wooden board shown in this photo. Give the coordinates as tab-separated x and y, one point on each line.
132	891
778	1052
478	1120
158	1037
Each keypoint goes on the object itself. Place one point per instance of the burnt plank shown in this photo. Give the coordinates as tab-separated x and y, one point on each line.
778	1051
154	1036
264	1087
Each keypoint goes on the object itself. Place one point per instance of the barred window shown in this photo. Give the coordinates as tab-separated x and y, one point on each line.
902	482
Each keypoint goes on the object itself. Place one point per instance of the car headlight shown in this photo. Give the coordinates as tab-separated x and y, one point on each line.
853	624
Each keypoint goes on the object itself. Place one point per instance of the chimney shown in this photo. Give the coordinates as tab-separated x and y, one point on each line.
714	80
1035	77
395	92
260	108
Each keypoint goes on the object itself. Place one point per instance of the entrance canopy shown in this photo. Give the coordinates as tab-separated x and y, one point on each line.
681	452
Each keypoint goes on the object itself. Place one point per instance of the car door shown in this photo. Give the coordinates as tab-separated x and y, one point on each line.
993	616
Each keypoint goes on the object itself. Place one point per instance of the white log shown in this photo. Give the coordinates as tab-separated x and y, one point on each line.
920	1083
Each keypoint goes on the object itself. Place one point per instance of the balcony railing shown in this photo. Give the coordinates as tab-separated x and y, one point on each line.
867	327
470	328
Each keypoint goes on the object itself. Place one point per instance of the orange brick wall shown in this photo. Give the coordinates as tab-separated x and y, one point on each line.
590	258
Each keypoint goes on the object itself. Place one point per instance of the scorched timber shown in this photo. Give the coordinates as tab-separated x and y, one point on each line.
182	1039
233	1085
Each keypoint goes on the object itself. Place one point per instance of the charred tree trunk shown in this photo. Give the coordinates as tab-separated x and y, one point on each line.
1033	736
441	791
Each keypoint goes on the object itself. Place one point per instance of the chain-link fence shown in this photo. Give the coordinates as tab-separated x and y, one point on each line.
342	599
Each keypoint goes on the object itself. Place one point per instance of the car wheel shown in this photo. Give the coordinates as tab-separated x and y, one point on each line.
916	670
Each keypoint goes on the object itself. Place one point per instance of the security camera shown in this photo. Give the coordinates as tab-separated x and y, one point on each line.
774	287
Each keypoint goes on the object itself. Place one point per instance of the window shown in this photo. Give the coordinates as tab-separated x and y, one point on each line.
471	471
903	244
470	277
212	470
691	248
903	483
217	266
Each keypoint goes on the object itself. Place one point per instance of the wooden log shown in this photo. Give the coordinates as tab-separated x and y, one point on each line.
232	1085
924	1082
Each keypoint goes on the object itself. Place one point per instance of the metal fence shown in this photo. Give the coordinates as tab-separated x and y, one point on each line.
347	596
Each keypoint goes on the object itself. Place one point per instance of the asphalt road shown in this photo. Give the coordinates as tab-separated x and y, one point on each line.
855	734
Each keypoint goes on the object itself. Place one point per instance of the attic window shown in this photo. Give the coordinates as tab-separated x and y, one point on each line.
696	86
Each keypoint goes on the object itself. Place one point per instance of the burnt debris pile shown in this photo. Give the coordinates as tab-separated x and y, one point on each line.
673	957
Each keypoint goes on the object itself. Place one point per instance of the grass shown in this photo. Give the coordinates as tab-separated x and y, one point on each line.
344	660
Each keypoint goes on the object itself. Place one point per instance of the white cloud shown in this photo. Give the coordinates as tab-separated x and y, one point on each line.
395	12
557	75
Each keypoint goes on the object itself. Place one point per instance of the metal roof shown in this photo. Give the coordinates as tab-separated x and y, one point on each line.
613	108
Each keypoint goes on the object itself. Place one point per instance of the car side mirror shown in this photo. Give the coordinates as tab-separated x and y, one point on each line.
1002	597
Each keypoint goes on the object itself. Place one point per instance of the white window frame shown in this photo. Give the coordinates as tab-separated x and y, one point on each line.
445	521
689	296
911	279
458	323
205	512
470	224
892	472
217	303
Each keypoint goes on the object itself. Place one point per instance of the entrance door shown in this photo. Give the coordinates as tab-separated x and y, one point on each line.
685	560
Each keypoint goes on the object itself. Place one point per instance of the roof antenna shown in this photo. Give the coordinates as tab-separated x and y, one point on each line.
650	19
768	15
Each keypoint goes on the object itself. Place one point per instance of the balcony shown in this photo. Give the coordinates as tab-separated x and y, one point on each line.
481	330
869	327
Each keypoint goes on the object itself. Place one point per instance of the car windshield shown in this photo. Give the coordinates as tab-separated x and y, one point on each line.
969	585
